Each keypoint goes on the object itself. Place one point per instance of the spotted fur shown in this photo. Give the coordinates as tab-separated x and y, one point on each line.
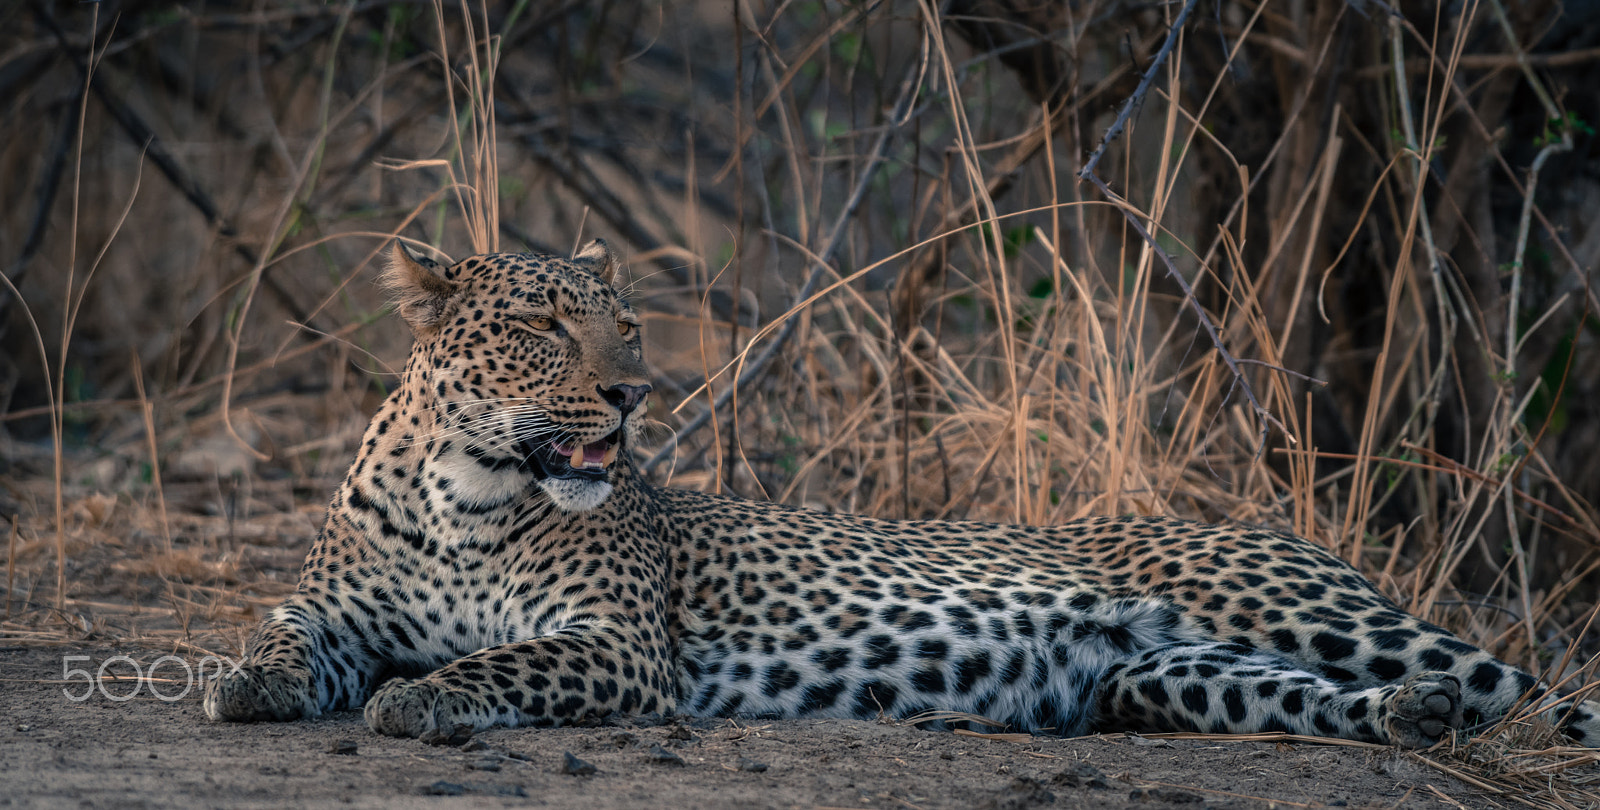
493	558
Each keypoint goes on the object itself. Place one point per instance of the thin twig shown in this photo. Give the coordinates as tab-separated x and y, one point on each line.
11	564
148	412
1447	317
1514	296
1289	371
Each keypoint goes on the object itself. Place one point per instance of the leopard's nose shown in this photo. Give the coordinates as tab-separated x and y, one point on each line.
625	397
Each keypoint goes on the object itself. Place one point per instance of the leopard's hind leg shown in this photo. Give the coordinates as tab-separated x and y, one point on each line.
1222	688
1389	646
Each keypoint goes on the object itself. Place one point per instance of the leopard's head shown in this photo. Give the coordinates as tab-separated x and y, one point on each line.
528	363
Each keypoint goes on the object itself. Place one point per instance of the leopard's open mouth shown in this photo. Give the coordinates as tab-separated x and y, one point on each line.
571	460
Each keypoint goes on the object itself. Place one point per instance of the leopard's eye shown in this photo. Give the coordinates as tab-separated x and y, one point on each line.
624	328
542	323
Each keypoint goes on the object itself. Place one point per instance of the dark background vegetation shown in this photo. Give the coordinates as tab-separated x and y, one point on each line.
194	224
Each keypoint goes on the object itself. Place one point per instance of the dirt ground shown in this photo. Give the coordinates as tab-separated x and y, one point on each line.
147	752
70	738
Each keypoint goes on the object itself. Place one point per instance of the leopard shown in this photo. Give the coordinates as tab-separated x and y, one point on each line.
495	557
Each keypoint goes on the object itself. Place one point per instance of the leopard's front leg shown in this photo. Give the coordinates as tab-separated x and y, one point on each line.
297	665
577	673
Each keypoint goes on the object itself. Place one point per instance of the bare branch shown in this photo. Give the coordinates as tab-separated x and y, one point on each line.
1115	130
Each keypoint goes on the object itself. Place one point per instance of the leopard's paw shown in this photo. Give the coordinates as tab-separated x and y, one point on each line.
253	692
407	707
1424	710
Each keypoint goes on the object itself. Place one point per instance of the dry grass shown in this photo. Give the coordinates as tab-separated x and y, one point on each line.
962	328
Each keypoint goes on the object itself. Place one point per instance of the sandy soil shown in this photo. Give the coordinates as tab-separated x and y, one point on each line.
146	752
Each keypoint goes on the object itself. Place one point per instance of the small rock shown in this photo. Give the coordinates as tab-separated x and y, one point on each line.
475	745
663	756
24	727
442	788
1081	774
485	764
573	766
681	732
342	747
752	766
625	739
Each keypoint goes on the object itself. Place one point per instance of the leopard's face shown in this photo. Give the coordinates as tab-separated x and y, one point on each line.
531	364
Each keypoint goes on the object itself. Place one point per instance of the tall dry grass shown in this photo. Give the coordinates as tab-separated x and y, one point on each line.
874	282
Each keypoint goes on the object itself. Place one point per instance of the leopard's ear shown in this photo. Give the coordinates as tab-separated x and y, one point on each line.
421	293
597	258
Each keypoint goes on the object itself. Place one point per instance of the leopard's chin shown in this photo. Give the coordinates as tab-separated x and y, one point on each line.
576	494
